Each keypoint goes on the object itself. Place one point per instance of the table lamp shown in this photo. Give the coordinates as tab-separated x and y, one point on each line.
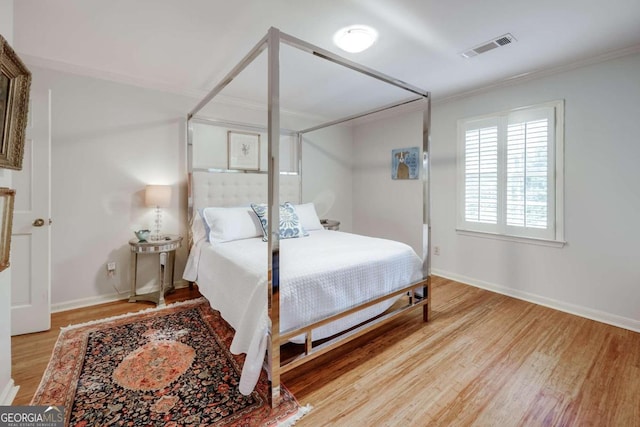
158	196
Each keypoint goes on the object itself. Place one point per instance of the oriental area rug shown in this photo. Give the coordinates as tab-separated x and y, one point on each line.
158	367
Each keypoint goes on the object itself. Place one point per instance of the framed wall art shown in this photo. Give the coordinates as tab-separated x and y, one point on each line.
15	83
243	150
7	196
405	163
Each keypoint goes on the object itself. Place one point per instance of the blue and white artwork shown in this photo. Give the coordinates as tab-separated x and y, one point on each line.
405	163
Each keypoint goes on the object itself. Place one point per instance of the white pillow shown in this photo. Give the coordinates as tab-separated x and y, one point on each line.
227	224
199	229
308	217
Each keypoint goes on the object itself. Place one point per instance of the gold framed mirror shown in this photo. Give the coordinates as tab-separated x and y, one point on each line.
15	83
7	196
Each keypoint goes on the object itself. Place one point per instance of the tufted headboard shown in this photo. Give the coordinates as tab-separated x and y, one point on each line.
239	189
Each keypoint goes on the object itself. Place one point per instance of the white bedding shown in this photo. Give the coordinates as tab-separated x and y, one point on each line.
320	275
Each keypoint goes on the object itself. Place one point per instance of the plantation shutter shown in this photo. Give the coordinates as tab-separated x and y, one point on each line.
510	173
529	192
481	175
527	170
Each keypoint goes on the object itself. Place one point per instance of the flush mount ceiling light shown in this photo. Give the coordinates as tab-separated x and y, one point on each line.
355	38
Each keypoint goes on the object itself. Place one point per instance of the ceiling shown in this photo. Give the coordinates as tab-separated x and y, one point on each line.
187	46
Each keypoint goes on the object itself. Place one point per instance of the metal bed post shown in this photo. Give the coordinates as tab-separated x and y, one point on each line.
273	202
189	164
299	162
426	209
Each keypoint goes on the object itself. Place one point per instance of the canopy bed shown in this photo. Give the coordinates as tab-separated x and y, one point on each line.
272	289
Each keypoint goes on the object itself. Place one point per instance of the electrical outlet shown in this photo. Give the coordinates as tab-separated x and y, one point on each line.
436	250
111	266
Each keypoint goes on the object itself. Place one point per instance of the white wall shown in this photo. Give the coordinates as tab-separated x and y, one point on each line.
383	207
6	20
327	176
108	141
7	392
596	273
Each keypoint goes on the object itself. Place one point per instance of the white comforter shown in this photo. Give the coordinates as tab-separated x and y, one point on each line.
320	275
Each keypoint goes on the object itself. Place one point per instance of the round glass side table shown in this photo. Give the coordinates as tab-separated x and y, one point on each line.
166	249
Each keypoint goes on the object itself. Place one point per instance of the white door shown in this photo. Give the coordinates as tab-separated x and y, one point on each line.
30	240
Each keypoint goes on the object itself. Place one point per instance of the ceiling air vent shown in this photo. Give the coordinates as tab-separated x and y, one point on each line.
490	45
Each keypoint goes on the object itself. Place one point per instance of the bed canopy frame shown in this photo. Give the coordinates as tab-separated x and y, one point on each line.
271	42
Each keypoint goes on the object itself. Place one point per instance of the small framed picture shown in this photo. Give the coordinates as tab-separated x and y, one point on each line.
405	163
6	211
243	150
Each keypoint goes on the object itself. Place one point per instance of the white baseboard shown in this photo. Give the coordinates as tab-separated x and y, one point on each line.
100	299
8	393
589	313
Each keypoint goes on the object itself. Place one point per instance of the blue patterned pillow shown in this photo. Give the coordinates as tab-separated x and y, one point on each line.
290	226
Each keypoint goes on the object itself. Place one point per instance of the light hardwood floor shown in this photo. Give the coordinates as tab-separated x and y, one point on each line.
483	359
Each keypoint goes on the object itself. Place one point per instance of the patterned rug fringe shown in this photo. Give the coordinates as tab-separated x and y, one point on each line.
133	313
304	410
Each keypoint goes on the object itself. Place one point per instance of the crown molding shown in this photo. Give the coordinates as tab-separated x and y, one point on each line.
81	70
225	100
222	100
509	81
387	114
537	74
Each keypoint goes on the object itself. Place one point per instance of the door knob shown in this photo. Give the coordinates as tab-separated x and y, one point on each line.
38	222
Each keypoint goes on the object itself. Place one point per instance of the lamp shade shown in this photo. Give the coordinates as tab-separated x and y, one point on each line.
157	195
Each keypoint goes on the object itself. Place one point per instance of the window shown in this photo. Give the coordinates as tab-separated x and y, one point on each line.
510	172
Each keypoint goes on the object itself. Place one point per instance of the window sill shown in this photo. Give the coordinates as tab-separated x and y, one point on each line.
517	239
